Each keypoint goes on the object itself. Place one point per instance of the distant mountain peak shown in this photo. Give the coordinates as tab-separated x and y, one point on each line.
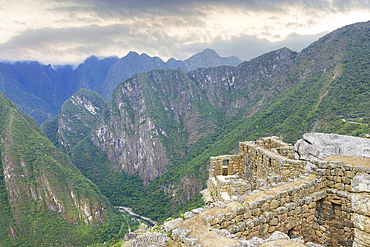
132	54
210	51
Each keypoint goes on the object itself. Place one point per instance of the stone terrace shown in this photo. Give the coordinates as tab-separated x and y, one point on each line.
268	190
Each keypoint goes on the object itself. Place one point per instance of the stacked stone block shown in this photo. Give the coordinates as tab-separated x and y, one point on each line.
222	188
225	165
271	142
333	225
259	163
361	209
287	151
290	211
334	219
334	212
256	165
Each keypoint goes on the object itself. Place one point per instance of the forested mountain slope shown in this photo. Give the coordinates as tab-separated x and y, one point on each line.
78	115
44	198
162	126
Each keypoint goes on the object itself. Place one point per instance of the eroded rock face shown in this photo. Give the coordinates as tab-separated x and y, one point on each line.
315	146
151	114
141	153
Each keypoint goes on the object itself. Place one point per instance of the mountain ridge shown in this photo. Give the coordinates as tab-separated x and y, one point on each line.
274	94
40	90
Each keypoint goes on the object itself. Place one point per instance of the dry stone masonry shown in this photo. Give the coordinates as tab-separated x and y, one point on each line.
266	162
274	194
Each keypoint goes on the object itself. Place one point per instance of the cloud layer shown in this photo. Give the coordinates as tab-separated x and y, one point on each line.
68	31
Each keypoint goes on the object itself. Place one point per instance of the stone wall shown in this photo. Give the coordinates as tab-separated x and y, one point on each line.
271	143
333	223
222	188
290	211
259	163
360	202
225	165
263	192
266	162
331	209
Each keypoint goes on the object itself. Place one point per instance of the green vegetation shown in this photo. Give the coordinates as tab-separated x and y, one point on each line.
5	213
74	120
280	93
123	189
48	192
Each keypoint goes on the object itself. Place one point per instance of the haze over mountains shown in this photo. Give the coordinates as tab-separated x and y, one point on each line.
149	147
40	90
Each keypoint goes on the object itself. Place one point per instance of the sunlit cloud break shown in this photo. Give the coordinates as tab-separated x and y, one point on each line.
61	32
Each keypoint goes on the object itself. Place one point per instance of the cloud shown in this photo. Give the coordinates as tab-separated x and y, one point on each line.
248	47
256	5
71	45
60	45
68	31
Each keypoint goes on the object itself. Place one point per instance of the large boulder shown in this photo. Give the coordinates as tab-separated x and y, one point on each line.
315	146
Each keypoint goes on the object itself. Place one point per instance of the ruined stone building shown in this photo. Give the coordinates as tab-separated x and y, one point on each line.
315	193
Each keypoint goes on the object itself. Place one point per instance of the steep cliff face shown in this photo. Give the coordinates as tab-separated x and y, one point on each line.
153	116
44	190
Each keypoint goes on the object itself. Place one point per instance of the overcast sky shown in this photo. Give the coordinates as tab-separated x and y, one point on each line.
69	31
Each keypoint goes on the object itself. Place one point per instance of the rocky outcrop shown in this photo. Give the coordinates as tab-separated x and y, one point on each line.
150	111
149	239
315	146
133	63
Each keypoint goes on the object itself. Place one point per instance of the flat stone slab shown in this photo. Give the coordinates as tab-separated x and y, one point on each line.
315	146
